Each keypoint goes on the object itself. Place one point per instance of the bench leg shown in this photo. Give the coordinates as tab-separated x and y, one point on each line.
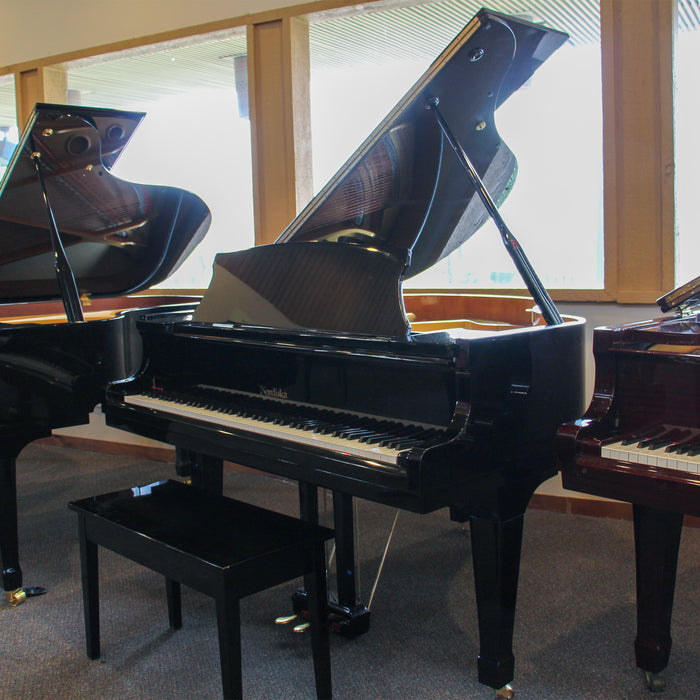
172	593
315	584
91	593
228	617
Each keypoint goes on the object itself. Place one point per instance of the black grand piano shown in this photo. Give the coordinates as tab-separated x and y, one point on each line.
305	358
70	230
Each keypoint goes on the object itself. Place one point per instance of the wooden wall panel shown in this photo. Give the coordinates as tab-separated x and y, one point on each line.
278	80
42	84
637	59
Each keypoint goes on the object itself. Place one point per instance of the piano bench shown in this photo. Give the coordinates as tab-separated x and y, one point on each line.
215	545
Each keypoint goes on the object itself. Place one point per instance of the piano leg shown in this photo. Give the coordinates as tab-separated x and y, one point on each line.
9	546
207	473
657	536
496	548
345	549
348	617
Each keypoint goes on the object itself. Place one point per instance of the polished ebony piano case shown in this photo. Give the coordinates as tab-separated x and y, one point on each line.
306	359
70	230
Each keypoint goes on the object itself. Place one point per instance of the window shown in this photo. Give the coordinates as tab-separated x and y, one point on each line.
362	64
196	133
8	122
359	59
687	147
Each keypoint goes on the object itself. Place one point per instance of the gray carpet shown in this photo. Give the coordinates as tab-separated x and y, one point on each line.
574	628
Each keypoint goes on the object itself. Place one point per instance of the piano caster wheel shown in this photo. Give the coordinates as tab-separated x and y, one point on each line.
656	682
16	597
505	693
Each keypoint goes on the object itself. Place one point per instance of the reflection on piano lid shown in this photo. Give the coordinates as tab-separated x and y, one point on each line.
398	205
119	237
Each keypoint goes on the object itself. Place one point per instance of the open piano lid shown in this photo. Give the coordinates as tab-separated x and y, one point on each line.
398	205
119	237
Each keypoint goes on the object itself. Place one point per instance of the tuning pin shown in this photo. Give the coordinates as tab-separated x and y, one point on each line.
302	627
284	619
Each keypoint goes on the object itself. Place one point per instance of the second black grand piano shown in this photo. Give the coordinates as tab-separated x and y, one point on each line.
70	230
305	359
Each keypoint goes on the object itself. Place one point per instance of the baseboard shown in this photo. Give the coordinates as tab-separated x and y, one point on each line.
554	503
158	454
594	507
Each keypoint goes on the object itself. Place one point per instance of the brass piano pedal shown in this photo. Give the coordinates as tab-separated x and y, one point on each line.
505	693
16	597
285	619
301	627
656	682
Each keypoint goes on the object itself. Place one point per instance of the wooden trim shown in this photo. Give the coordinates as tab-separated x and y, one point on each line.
637	65
157	454
591	507
573	296
42	84
278	80
561	295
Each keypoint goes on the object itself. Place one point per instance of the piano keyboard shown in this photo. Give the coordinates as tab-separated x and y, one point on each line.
367	437
667	446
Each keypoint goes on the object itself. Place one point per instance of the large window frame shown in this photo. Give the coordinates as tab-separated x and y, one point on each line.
637	39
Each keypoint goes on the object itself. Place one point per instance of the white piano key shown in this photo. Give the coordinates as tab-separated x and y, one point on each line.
352	447
657	457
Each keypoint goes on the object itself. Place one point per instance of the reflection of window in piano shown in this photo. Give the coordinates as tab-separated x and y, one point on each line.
374	58
196	134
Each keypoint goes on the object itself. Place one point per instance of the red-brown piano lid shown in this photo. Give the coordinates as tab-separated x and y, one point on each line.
119	236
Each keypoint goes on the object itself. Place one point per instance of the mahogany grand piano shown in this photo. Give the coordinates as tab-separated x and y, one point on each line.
639	441
306	359
69	230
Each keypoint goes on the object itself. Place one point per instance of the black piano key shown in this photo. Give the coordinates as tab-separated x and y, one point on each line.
323	421
638	437
688	445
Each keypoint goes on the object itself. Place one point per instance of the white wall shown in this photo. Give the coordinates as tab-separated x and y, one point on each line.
35	29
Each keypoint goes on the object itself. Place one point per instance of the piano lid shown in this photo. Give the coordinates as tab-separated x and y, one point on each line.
401	203
404	188
682	300
119	236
